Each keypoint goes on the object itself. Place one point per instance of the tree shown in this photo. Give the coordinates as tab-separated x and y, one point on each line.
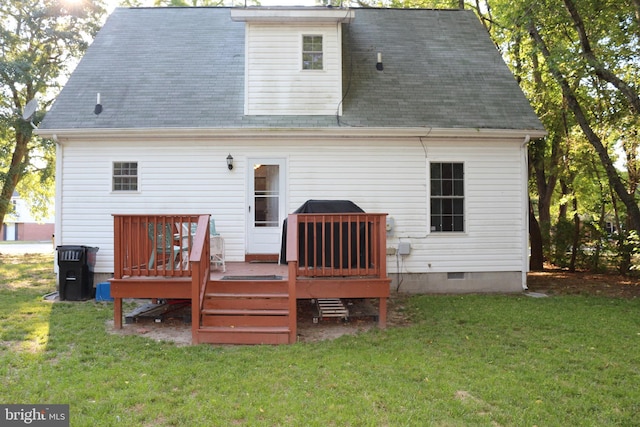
584	123
188	3
204	3
39	42
579	76
408	4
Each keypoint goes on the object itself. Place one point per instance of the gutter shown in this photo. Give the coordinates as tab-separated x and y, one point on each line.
525	207
57	230
267	133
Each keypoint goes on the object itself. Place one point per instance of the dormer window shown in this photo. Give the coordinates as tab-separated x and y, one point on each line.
312	52
293	61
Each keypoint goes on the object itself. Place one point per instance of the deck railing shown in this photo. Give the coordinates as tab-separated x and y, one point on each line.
337	245
200	268
154	245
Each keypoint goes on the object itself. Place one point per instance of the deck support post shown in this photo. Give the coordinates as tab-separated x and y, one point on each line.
117	313
293	311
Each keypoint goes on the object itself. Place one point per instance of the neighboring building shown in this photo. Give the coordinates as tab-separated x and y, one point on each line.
408	112
19	223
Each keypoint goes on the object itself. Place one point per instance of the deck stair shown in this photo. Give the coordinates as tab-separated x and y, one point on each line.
245	312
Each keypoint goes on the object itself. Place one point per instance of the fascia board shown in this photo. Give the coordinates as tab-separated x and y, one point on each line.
61	135
277	15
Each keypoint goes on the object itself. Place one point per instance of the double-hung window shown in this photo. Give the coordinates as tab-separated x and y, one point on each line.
447	197
312	52
125	176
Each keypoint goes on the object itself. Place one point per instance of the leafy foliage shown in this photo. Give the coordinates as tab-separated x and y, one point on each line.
40	42
577	74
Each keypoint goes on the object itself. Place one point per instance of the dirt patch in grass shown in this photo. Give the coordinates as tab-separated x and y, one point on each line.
171	330
174	329
550	282
364	318
562	282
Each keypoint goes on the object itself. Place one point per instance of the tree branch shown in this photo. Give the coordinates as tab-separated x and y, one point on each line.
601	71
574	105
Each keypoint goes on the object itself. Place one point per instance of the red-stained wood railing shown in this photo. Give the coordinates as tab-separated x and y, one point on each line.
292	263
153	245
160	256
338	256
200	269
337	245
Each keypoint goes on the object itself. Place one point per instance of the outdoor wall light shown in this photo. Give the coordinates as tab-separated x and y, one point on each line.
230	161
379	65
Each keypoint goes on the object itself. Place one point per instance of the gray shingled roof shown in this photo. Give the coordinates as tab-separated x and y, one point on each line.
184	67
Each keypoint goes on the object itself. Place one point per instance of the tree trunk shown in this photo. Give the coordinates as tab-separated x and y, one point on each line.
633	210
562	209
576	236
545	184
14	173
545	179
536	260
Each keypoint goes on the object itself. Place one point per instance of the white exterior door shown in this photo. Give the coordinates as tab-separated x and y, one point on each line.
10	230
266	200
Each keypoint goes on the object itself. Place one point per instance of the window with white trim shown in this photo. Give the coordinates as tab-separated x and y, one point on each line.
125	176
312	52
447	197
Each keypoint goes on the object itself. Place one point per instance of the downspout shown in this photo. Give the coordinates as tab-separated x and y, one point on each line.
57	230
525	210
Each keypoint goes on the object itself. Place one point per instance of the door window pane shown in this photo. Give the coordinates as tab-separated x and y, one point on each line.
266	180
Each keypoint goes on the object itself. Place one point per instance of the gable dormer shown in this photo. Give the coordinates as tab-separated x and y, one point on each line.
293	60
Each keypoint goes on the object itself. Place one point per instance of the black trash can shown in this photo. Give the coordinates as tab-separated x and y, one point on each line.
75	272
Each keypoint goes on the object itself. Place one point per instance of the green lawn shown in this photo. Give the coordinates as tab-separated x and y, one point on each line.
466	360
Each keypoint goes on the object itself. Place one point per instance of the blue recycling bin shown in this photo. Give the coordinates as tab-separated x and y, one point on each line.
103	292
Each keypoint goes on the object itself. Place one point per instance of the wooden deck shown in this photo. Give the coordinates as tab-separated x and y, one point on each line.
251	302
251	269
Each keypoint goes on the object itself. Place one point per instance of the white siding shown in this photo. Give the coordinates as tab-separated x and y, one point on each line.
388	176
494	213
275	82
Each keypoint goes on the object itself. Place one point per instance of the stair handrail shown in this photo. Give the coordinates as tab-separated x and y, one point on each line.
200	261
292	262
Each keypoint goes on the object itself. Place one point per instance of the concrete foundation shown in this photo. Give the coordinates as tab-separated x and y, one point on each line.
101	278
427	283
457	283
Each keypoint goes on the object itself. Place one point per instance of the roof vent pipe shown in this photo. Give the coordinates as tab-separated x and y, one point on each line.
98	108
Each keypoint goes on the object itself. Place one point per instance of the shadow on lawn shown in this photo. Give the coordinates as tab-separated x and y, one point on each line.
562	282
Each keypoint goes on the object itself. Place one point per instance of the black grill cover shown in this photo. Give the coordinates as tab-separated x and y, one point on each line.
323	206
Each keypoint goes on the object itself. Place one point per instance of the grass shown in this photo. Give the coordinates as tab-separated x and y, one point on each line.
465	360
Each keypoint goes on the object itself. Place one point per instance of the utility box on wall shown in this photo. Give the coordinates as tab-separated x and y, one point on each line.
404	248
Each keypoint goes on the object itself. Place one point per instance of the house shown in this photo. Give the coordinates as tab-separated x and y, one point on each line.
247	113
21	224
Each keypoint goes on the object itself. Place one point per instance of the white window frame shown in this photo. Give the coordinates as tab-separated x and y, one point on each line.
128	180
445	218
315	53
